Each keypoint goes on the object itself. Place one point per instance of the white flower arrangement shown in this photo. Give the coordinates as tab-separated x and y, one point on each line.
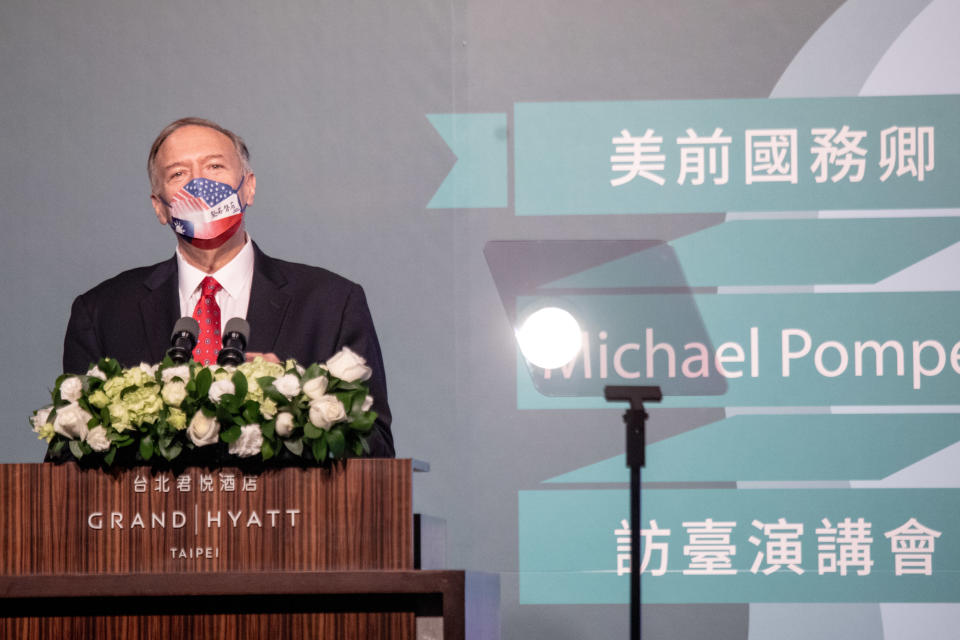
317	414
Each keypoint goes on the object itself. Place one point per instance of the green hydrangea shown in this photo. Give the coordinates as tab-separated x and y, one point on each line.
119	417
143	405
99	399
131	378
177	419
137	377
45	432
113	387
268	408
260	368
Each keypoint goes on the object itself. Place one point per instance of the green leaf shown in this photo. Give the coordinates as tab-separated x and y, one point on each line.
224	415
348	386
204	380
251	411
337	443
357	448
76	449
188	406
294	446
346	399
268	428
311	431
110	367
146	447
265	382
312	372
231	435
266	450
275	395
319	448
119	439
171	452
363	422
239	385
127	390
108	459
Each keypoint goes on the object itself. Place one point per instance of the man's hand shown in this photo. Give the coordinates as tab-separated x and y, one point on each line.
269	357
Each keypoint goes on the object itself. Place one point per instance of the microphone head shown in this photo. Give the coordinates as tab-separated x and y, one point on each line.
187	325
184	338
240	327
236	333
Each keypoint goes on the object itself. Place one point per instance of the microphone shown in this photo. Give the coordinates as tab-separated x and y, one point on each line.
236	334
183	339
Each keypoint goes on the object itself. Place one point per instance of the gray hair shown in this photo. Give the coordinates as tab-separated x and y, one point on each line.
241	147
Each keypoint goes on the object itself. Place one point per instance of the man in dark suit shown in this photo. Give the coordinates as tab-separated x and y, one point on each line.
294	310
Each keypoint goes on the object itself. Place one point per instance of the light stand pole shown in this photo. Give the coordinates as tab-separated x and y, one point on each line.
635	418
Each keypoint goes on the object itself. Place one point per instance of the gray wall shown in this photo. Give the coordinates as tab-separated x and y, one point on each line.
332	99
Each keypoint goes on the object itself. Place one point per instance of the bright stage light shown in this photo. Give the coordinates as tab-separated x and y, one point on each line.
549	337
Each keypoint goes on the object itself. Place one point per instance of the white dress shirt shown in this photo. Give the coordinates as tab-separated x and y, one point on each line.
235	278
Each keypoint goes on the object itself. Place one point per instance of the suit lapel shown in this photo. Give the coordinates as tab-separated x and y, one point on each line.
268	303
160	309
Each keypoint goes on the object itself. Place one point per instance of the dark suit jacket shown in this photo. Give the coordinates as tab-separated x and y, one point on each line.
295	311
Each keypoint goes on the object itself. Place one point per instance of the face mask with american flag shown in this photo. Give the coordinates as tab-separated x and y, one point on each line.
206	213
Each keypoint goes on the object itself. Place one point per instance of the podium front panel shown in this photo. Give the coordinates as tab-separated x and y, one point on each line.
60	519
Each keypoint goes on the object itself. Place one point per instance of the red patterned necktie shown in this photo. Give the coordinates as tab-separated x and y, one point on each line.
207	313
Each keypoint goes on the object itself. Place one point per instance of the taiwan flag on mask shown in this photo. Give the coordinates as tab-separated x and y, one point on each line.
205	212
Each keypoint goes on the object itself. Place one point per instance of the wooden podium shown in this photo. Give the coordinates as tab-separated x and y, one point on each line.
222	553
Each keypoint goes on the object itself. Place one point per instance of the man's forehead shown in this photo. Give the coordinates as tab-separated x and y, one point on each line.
203	159
195	141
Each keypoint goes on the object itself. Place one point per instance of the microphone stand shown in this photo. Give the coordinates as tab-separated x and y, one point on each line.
635	418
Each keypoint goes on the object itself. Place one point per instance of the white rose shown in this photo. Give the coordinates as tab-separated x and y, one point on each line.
174	393
326	412
249	442
347	365
288	385
97	439
94	372
314	388
71	389
284	424
71	421
203	430
40	418
182	372
149	369
367	403
219	388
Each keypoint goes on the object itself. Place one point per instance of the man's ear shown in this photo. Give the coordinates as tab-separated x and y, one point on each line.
248	189
163	214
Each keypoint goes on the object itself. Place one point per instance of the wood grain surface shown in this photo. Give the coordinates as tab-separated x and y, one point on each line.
354	516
